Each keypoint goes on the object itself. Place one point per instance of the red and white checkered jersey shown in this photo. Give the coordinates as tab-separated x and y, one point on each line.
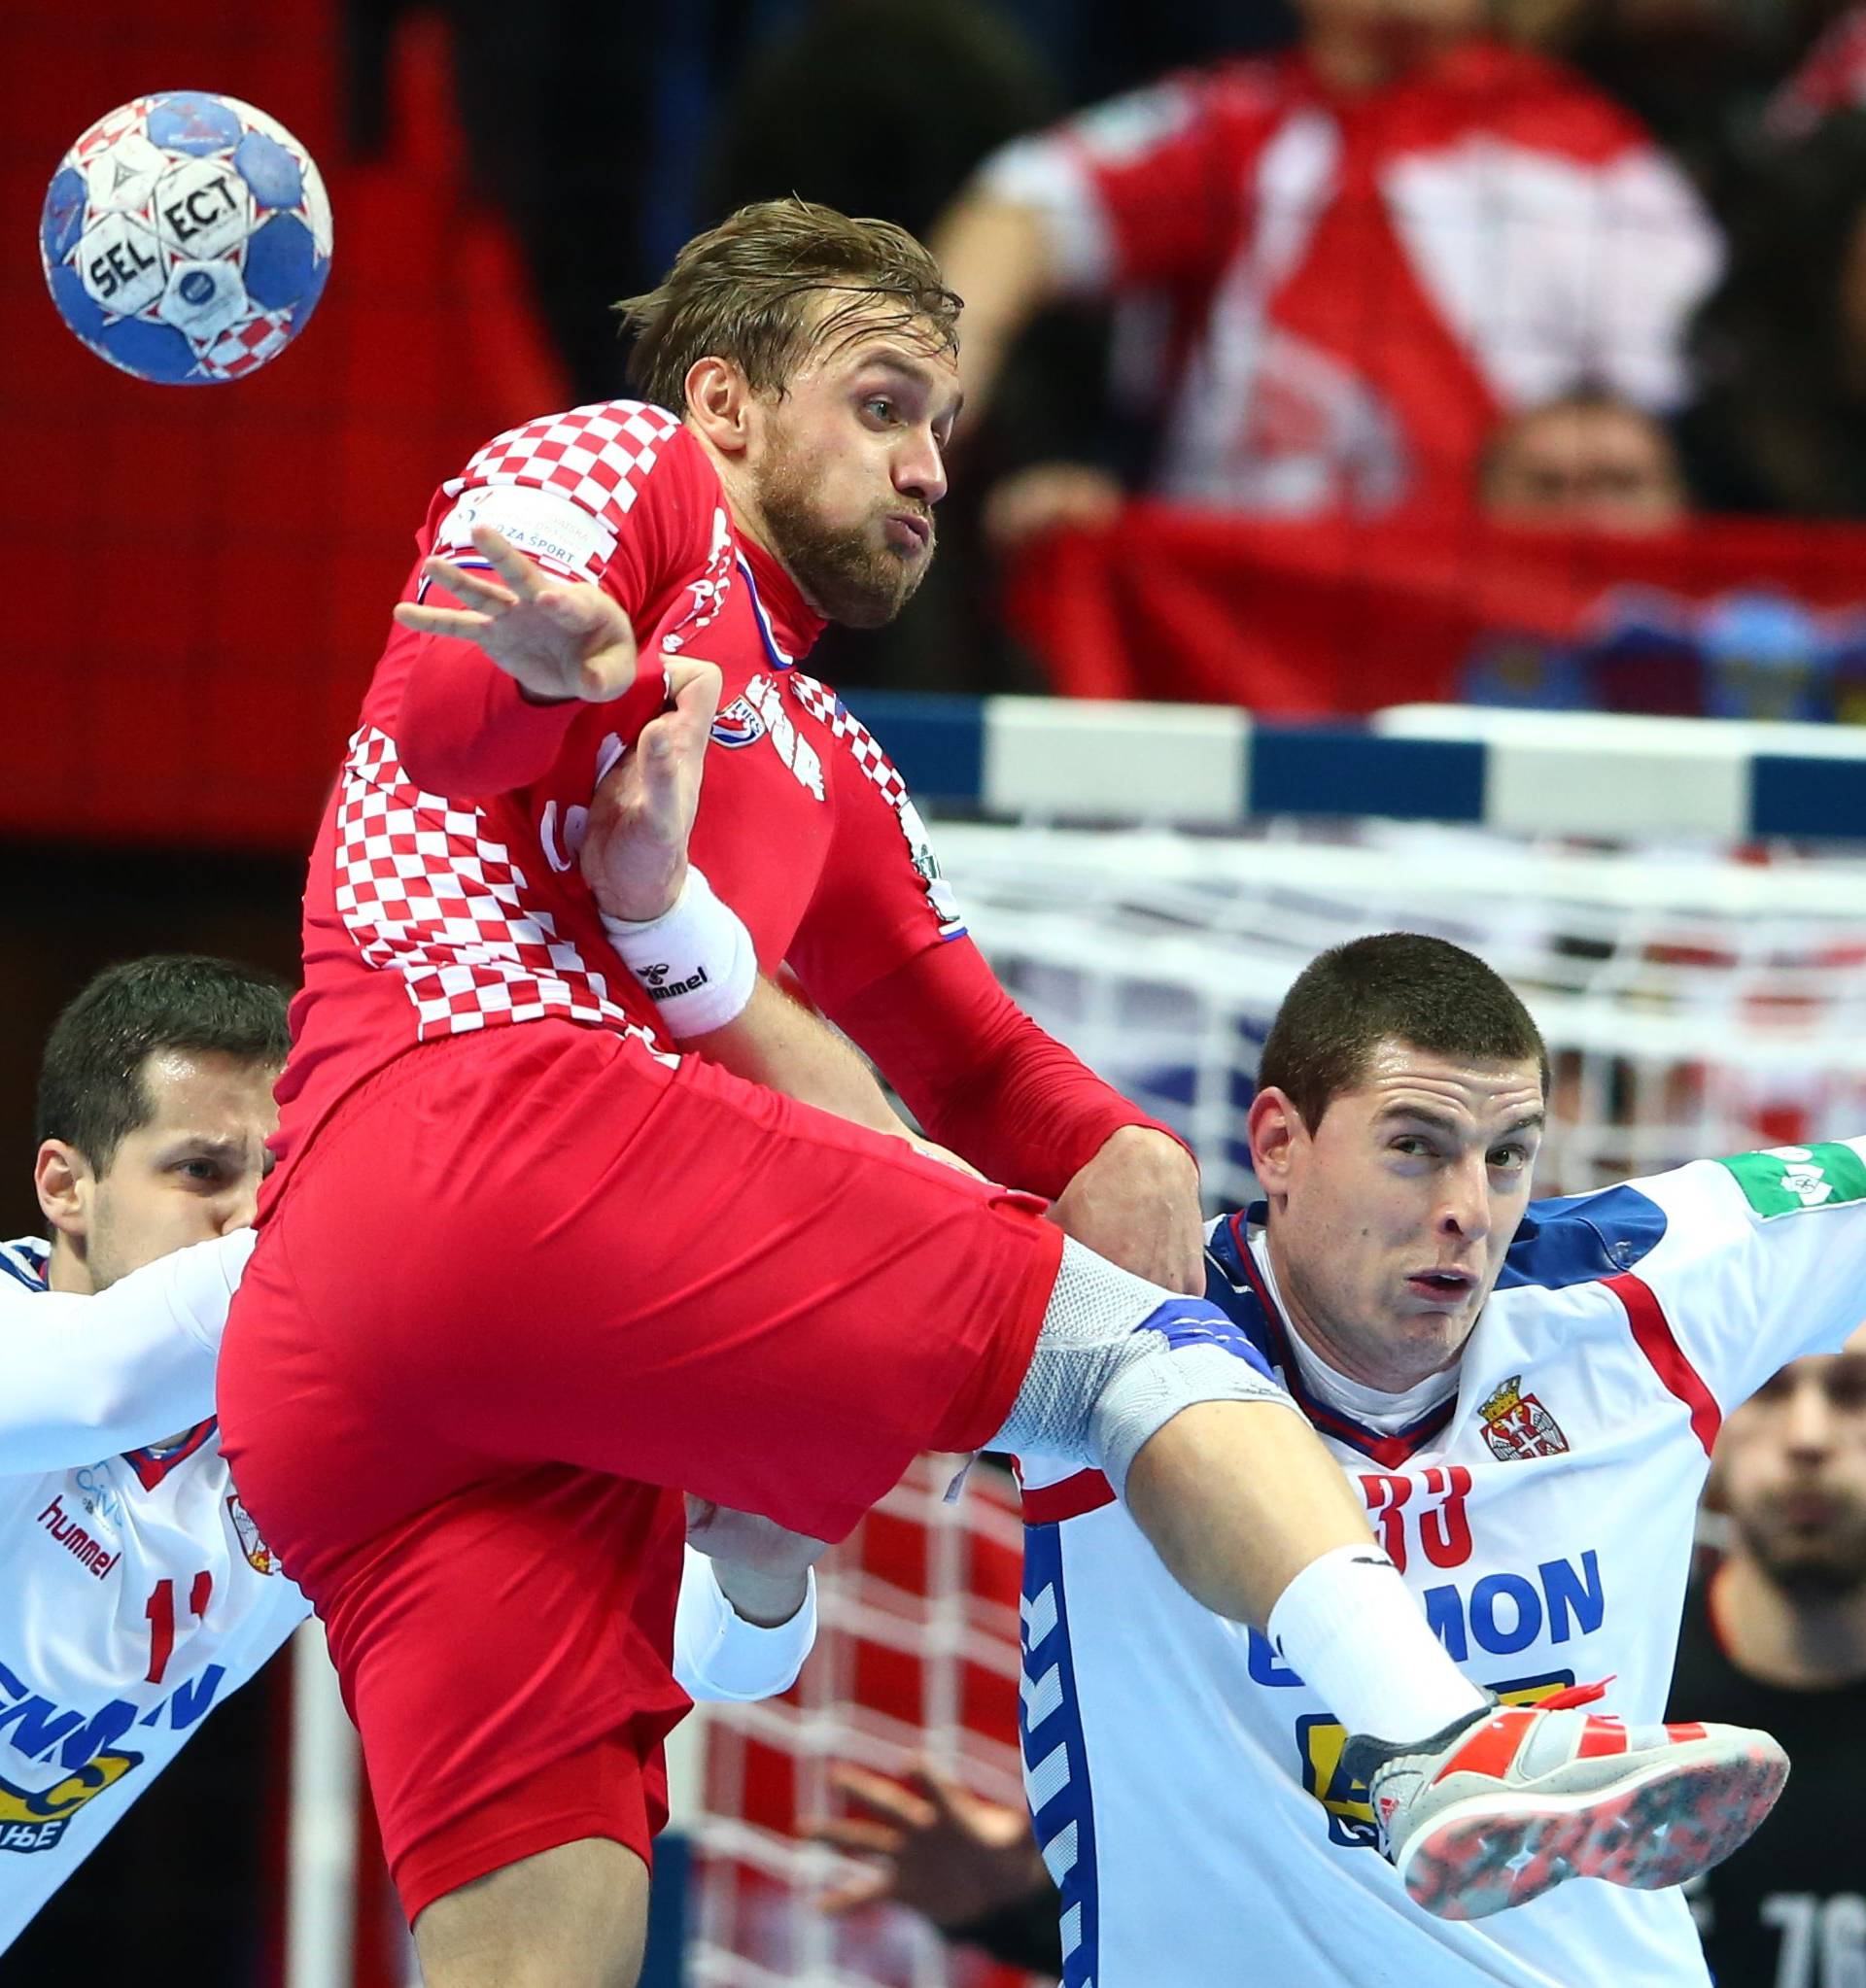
1335	297
1542	1509
430	909
444	894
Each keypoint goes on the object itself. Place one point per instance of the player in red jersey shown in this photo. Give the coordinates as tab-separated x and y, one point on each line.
526	1269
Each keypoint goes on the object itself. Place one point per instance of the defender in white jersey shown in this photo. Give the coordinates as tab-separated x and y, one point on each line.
137	1590
1526	1395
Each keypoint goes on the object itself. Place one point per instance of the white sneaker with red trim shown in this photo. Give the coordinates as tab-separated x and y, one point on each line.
1513	1801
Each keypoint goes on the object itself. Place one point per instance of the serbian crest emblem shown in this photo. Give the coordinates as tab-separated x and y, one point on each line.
1517	1425
259	1557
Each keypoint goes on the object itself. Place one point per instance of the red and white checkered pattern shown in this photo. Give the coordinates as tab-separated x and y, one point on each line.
426	891
823	703
596	455
246	345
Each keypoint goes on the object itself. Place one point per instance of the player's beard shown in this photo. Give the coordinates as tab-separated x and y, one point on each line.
845	574
1810	1566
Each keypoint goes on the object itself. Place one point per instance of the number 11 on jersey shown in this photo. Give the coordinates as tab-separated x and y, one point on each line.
160	1612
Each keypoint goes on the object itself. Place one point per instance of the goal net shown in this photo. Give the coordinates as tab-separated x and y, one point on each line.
1695	1001
916	1660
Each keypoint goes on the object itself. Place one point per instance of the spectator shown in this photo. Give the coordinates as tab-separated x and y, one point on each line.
874	107
1357	256
567	133
1590	459
1780	423
1831	77
1696	73
1778	1634
1101	46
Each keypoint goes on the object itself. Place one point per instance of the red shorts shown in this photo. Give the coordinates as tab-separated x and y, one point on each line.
523	1289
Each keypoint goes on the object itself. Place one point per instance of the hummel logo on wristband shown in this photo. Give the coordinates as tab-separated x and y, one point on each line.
694	962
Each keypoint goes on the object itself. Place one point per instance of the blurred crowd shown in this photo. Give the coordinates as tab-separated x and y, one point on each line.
1573	263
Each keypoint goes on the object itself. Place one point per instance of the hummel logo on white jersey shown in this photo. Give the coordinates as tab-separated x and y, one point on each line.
88	1553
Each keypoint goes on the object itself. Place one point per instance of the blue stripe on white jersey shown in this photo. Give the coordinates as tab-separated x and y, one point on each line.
1056	1757
1230	1290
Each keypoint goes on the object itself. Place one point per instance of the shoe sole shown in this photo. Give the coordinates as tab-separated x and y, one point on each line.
1684	1813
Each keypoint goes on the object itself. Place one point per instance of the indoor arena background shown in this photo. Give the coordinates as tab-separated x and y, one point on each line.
198	582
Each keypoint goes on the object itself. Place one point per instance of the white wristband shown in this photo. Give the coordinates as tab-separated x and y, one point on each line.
694	962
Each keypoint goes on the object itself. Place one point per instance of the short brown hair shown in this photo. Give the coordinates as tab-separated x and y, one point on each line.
1396	987
742	291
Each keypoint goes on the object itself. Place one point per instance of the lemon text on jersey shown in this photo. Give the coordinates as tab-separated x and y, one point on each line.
31	1822
88	1748
1792	1180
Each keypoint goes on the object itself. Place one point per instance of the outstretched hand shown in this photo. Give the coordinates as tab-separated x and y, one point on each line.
946	1853
557	640
635	847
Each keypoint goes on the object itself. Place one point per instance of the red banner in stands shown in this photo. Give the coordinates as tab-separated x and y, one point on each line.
1728	618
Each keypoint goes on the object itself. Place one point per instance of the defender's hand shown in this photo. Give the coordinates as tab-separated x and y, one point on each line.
557	640
946	1853
634	848
1136	1203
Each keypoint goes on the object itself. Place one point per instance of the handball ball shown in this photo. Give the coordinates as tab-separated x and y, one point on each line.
186	238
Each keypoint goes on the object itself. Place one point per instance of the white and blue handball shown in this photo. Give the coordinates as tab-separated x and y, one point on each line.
186	238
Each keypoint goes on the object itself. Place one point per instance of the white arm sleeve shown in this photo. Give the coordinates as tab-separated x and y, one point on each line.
719	1656
87	1376
1763	1259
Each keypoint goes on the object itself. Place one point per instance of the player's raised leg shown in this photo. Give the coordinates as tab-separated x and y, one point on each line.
1479	1807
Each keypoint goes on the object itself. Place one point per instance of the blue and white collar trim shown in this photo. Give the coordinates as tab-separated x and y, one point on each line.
24	1260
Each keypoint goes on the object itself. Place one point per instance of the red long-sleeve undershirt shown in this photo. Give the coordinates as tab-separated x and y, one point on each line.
981	1075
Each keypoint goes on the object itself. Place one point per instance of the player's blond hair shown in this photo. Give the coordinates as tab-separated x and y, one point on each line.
746	291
